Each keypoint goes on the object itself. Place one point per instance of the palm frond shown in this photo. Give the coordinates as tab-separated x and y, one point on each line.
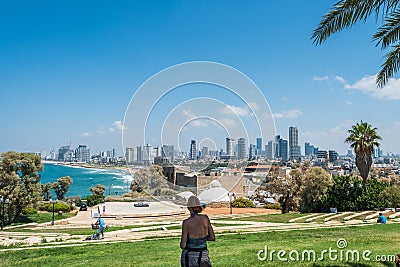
389	33
389	67
346	13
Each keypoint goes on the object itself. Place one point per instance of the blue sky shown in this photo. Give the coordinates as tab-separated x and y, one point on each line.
68	69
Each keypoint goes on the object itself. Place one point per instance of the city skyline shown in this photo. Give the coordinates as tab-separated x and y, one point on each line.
67	73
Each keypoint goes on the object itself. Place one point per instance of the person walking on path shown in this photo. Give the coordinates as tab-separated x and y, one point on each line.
102	226
196	231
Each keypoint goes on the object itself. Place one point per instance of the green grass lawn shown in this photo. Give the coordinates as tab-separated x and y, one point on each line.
274	218
228	251
41	217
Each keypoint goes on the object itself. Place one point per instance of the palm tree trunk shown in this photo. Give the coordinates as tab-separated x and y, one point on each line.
363	163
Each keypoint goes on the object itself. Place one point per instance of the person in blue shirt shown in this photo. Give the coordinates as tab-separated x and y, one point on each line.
381	218
102	225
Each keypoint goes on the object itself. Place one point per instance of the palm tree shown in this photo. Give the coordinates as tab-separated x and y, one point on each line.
363	139
345	13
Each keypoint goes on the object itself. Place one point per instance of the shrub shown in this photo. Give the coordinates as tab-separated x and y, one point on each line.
243	203
28	211
275	206
93	200
59	206
347	194
44	206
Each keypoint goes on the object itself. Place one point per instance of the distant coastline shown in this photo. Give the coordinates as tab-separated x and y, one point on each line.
88	165
116	180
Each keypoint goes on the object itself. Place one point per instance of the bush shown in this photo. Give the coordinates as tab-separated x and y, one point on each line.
44	206
93	200
28	211
275	206
59	206
347	194
243	203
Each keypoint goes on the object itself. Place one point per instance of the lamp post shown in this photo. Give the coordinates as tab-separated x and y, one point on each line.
230	195
3	202
53	202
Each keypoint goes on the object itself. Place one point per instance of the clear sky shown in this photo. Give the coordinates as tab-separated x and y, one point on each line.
68	69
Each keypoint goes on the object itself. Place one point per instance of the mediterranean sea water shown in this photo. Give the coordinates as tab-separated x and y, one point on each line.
117	182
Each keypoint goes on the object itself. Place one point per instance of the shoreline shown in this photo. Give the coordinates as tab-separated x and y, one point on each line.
89	166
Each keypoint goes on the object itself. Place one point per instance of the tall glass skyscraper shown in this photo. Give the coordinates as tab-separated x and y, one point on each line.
293	143
241	148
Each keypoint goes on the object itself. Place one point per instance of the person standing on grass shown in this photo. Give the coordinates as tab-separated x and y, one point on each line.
196	231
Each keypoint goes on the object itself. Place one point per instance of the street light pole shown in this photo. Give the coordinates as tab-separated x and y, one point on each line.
53	202
230	195
3	201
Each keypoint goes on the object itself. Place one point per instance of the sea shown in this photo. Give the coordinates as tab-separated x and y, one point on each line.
117	182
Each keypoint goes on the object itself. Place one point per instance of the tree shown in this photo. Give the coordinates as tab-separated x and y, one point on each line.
345	13
287	189
363	139
19	181
135	187
61	187
315	183
346	194
46	191
149	179
98	190
391	196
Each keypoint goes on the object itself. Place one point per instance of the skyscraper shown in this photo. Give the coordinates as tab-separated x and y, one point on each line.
204	151
139	154
252	151
193	150
230	146
168	151
129	152
82	154
148	155
293	143
241	148
283	149
259	146
271	150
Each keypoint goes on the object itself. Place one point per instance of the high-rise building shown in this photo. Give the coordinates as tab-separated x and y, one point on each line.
61	151
283	149
333	155
307	149
277	153
168	151
322	154
241	148
148	154
280	148
293	143
230	146
204	151
193	150
270	151
259	146
139	153
129	155
82	154
349	153
252	151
